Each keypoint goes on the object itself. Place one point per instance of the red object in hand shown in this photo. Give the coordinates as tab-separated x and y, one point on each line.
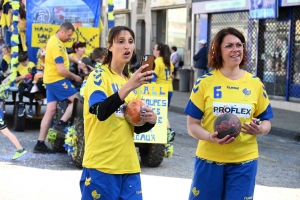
133	114
227	124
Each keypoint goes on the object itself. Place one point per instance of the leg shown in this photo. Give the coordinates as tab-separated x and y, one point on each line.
31	97
69	109
21	109
47	119
171	135
40	147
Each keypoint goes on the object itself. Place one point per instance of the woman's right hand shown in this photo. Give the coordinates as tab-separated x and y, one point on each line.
226	140
139	78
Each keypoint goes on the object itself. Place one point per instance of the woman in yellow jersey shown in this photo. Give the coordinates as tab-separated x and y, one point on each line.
163	74
111	165
226	168
22	28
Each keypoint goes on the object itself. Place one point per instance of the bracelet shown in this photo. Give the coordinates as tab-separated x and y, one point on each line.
79	61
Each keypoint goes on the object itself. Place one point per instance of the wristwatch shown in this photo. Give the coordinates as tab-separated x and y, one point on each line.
79	61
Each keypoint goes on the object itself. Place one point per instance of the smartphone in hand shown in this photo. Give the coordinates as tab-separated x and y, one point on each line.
148	59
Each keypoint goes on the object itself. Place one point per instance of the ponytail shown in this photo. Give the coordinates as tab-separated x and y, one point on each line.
165	53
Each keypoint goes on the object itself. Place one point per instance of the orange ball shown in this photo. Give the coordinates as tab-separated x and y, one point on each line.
132	112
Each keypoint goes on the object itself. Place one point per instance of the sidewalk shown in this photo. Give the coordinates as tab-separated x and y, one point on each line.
284	124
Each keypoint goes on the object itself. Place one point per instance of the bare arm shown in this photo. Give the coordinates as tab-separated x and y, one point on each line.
254	129
66	73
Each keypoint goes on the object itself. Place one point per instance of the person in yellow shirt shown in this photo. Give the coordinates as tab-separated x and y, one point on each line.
5	64
57	79
22	28
26	71
226	168
111	167
76	57
5	21
163	74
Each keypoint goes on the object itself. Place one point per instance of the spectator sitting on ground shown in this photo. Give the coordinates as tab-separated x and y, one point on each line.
26	71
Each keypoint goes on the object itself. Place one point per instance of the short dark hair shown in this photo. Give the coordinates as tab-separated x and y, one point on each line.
98	52
215	59
174	48
67	26
22	57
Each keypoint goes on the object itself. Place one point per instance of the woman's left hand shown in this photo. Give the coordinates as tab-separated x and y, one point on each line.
252	128
148	115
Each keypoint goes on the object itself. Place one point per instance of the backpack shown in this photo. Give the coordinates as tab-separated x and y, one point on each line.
181	63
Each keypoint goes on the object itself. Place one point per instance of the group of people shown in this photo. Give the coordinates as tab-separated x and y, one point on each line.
224	168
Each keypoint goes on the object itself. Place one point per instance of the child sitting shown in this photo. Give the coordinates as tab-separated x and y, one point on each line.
38	77
26	71
5	63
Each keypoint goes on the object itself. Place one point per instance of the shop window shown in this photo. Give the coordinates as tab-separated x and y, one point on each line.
176	29
240	21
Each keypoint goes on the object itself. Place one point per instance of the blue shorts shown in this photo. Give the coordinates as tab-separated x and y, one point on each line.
229	182
60	90
2	123
170	94
94	184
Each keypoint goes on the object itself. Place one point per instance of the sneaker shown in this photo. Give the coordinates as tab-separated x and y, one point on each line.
60	129
19	153
42	149
21	110
29	113
172	135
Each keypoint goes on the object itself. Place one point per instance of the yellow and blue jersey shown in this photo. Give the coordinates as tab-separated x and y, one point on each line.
214	94
109	144
162	74
29	69
6	16
56	54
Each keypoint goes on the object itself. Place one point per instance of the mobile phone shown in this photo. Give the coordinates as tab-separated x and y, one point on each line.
148	59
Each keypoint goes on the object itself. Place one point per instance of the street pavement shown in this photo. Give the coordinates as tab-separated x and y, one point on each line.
53	177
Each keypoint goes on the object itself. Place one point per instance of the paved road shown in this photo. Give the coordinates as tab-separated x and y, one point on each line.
53	177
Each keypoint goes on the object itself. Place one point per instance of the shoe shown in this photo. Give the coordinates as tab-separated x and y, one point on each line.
171	135
29	113
60	129
21	110
42	149
19	153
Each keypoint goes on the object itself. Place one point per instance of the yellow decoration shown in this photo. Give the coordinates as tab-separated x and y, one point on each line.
15	49
110	2
110	16
42	32
15	18
195	191
87	181
156	96
15	5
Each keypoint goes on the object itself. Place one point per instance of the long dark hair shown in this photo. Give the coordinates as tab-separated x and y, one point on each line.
22	11
113	34
165	53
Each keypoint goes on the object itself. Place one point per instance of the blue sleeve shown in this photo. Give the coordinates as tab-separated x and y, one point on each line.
59	60
193	111
267	114
6	8
198	55
153	80
96	97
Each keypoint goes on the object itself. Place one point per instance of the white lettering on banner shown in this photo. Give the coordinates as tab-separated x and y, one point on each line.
240	110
